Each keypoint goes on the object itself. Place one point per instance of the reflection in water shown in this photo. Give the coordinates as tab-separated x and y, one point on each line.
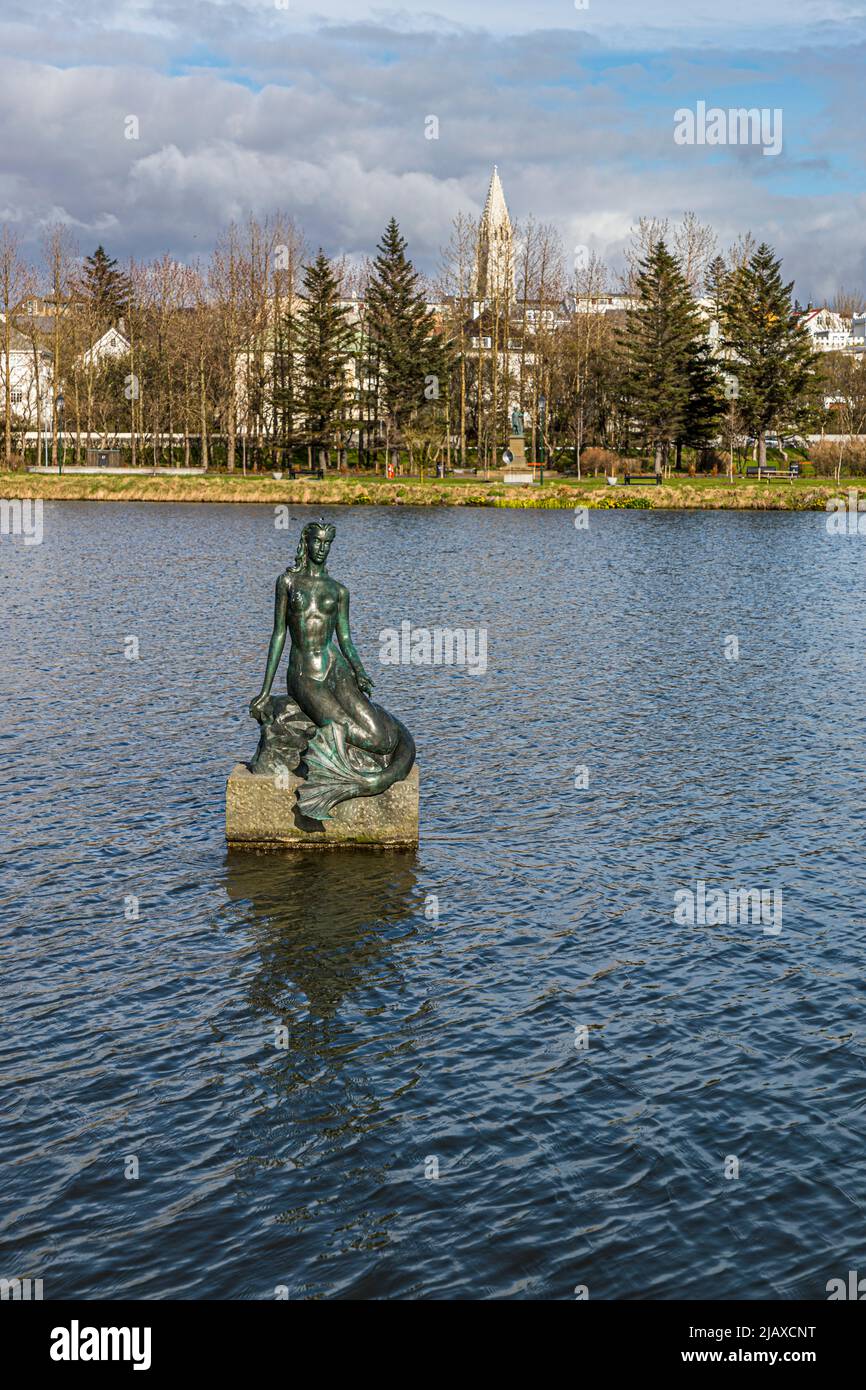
324	924
328	930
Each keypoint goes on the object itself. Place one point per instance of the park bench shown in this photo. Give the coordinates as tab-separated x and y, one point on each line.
773	474
630	478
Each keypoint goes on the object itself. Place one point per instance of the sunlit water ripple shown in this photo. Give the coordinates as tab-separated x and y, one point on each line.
411	1039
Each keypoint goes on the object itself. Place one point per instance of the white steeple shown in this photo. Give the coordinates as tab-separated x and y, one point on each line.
494	261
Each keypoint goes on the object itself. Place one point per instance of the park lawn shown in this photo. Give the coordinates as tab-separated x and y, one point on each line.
701	492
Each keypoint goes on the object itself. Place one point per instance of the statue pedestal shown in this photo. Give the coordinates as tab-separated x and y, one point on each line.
517	445
262	814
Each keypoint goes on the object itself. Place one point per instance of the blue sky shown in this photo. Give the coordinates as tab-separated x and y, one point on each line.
321	113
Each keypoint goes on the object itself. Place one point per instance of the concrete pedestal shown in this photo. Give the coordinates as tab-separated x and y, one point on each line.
517	445
262	814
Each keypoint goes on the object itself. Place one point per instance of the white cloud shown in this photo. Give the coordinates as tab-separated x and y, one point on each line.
328	124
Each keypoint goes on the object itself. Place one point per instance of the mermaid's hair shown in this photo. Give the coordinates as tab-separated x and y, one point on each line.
301	555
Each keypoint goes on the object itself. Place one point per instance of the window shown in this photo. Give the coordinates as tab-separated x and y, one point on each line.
17	395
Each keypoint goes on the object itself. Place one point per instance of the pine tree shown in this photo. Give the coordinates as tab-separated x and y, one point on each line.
325	335
402	335
773	360
661	352
705	403
716	285
105	287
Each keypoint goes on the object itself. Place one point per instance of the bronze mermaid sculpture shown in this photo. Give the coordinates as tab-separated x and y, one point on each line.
328	727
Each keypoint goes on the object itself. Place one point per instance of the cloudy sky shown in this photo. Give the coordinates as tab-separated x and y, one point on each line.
323	112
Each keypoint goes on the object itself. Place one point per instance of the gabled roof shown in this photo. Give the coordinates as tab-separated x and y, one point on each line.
19	341
111	343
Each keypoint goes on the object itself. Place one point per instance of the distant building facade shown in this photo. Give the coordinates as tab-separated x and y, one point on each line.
828	330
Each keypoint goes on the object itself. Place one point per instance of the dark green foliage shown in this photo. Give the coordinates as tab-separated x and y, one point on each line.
325	335
667	373
105	287
772	355
403	341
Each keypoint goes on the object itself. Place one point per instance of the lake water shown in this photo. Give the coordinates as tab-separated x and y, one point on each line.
583	1069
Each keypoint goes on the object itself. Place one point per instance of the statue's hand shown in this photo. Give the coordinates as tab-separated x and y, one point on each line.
261	709
363	682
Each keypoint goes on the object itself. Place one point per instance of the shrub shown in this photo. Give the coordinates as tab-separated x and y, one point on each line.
713	462
620	503
600	461
824	456
854	458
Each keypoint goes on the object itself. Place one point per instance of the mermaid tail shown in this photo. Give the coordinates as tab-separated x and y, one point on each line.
336	771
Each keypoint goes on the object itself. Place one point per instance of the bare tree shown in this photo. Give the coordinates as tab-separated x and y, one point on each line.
61	261
694	245
645	235
454	286
576	344
16	280
741	250
848	302
225	280
845	384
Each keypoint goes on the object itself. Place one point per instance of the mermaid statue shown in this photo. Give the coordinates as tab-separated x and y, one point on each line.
342	743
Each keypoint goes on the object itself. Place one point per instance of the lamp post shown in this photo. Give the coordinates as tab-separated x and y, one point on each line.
59	407
542	406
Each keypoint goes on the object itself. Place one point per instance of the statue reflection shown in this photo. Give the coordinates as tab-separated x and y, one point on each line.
328	933
326	925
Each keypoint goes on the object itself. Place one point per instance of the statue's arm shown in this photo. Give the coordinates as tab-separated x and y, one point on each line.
276	645
347	646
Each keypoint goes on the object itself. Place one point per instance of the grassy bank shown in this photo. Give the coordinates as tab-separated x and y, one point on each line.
689	493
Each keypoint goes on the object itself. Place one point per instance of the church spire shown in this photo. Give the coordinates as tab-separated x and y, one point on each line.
494	261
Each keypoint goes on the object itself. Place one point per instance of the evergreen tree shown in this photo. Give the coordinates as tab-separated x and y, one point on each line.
773	360
325	336
662	358
105	287
284	381
705	403
716	286
402	335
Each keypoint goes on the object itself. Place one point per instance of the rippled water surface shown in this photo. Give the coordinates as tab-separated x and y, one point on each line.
411	1039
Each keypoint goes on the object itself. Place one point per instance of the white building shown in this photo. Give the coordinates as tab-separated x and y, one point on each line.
828	330
607	302
113	343
30	379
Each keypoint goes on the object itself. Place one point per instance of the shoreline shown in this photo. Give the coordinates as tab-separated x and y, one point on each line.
691	494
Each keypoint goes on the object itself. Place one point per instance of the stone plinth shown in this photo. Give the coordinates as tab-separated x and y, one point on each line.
262	814
517	445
